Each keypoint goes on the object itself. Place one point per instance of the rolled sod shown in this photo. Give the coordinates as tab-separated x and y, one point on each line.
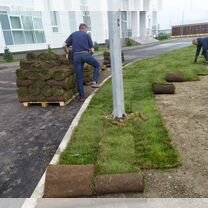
163	88
67	96
32	56
177	77
88	68
106	62
21	74
25	64
119	183
57	91
34	91
38	83
88	73
33	75
23	83
47	91
61	73
70	56
106	54
49	57
22	91
30	98
67	181
65	61
65	84
24	98
45	74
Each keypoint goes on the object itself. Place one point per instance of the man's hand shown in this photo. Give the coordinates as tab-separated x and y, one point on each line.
92	50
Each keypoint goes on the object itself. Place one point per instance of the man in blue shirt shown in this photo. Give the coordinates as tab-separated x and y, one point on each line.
201	43
82	48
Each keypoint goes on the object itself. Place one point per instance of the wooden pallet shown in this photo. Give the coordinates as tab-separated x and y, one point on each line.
46	103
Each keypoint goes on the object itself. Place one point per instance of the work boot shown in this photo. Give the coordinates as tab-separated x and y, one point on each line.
81	99
94	85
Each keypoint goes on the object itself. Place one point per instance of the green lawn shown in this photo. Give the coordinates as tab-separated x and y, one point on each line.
137	144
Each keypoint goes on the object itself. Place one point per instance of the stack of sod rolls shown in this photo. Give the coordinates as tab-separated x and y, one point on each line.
88	74
107	59
45	77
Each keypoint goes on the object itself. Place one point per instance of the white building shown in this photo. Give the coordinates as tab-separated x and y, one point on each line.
22	28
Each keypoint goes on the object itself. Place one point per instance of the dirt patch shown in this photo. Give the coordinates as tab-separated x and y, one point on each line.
186	116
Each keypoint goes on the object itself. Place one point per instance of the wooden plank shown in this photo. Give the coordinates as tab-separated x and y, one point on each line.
45	103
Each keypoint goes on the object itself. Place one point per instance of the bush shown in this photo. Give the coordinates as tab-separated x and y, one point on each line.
163	36
8	55
129	42
49	49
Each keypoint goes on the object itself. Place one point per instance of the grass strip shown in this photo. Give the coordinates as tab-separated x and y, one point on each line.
138	144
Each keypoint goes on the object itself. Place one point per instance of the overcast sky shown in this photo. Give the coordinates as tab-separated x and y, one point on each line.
176	12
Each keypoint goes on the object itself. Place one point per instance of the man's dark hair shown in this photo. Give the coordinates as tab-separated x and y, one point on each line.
82	26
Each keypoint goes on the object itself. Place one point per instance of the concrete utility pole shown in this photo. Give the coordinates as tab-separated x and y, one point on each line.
116	62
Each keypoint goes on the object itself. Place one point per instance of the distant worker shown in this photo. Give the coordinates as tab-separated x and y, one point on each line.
201	43
82	48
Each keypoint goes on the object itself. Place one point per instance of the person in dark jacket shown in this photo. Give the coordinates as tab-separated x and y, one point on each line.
201	43
82	49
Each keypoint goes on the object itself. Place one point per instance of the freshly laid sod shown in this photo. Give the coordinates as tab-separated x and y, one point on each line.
137	144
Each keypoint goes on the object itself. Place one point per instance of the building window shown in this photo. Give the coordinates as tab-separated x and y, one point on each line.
38	23
87	19
126	24
15	22
54	21
22	28
72	21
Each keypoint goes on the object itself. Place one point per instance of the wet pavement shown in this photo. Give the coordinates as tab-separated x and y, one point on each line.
30	136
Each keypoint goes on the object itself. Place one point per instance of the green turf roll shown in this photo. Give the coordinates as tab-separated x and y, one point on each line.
39	84
34	91
23	83
47	91
57	91
22	91
45	74
25	64
32	75
32	56
21	74
59	75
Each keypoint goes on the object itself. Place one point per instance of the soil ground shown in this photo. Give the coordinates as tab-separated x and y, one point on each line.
185	115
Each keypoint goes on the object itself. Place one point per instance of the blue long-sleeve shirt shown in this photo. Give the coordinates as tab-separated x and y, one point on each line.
203	44
80	41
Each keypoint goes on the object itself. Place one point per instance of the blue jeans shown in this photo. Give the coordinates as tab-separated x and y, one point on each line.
79	61
206	55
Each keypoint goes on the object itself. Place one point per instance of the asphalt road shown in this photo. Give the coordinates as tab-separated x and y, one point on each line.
30	136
